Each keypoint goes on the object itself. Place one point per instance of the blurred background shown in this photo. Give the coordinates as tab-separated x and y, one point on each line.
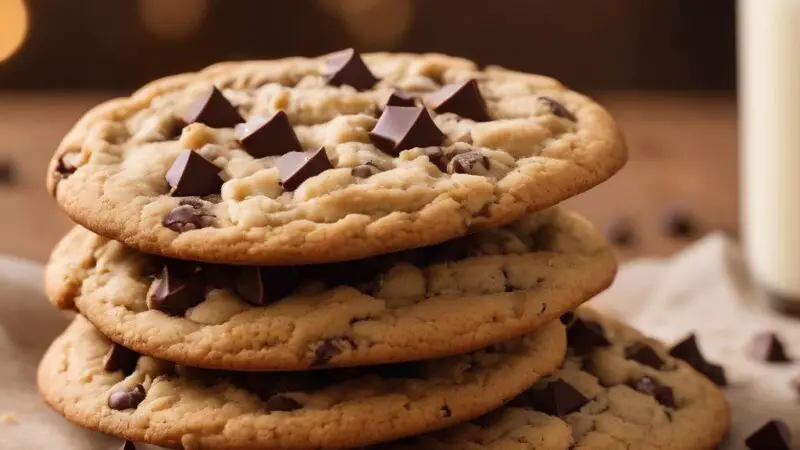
665	69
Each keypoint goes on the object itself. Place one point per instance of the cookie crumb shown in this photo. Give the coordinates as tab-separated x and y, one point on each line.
8	418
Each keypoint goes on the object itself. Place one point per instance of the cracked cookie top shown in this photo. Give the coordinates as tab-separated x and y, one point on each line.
424	303
310	160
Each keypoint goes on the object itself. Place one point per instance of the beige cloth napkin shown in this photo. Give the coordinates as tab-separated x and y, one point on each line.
702	289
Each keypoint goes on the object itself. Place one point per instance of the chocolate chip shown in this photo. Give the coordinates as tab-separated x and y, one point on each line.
364	170
297	167
558	398
128	445
329	349
774	435
768	347
65	168
193	175
651	387
268	137
120	358
558	109
347	67
472	163
446	412
688	351
127	398
186	218
620	232
462	98
280	402
584	336
8	172
179	288
400	98
437	156
567	318
678	223
263	285
211	108
644	354
400	128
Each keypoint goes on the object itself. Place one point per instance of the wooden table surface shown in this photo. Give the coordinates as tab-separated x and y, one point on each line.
682	153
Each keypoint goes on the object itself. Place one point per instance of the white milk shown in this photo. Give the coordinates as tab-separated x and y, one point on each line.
769	93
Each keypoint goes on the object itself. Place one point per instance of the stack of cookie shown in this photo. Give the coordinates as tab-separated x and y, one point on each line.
341	252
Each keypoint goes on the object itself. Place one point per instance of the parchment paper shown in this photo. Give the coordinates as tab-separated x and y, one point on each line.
703	289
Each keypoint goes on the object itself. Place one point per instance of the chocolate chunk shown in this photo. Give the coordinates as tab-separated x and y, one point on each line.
120	358
364	170
179	288
558	109
558	398
472	163
774	435
445	410
297	167
400	98
649	386
268	137
8	172
347	67
127	398
193	175
567	318
678	223
437	156
688	351
280	402
769	348
620	232
462	98
329	349
584	336
644	354
401	128
211	108
187	217
65	168
128	445
263	285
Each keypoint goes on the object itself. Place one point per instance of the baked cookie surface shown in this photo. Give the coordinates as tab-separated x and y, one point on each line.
190	172
104	387
432	302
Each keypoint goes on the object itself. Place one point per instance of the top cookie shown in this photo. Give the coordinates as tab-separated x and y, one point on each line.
187	170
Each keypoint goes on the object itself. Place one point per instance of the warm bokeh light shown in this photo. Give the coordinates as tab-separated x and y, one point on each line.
375	24
13	26
173	19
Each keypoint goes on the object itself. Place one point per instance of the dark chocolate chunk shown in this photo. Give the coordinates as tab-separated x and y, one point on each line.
401	128
193	175
649	386
473	163
280	402
584	336
558	398
120	358
364	170
268	137
620	232
297	167
774	435
8	172
678	223
127	445
688	351
179	288
437	156
768	347
567	318
462	98
127	398
65	168
347	67
263	285
213	109
400	98
187	217
644	354
446	412
330	348
558	109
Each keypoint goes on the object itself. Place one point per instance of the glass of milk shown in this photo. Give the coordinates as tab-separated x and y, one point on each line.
769	105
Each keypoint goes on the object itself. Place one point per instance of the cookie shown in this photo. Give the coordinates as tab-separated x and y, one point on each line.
624	393
180	407
300	160
438	301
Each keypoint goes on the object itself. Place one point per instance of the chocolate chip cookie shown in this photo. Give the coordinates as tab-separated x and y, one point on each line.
431	302
313	160
97	385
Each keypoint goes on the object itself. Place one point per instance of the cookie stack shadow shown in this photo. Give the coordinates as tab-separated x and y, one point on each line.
214	315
